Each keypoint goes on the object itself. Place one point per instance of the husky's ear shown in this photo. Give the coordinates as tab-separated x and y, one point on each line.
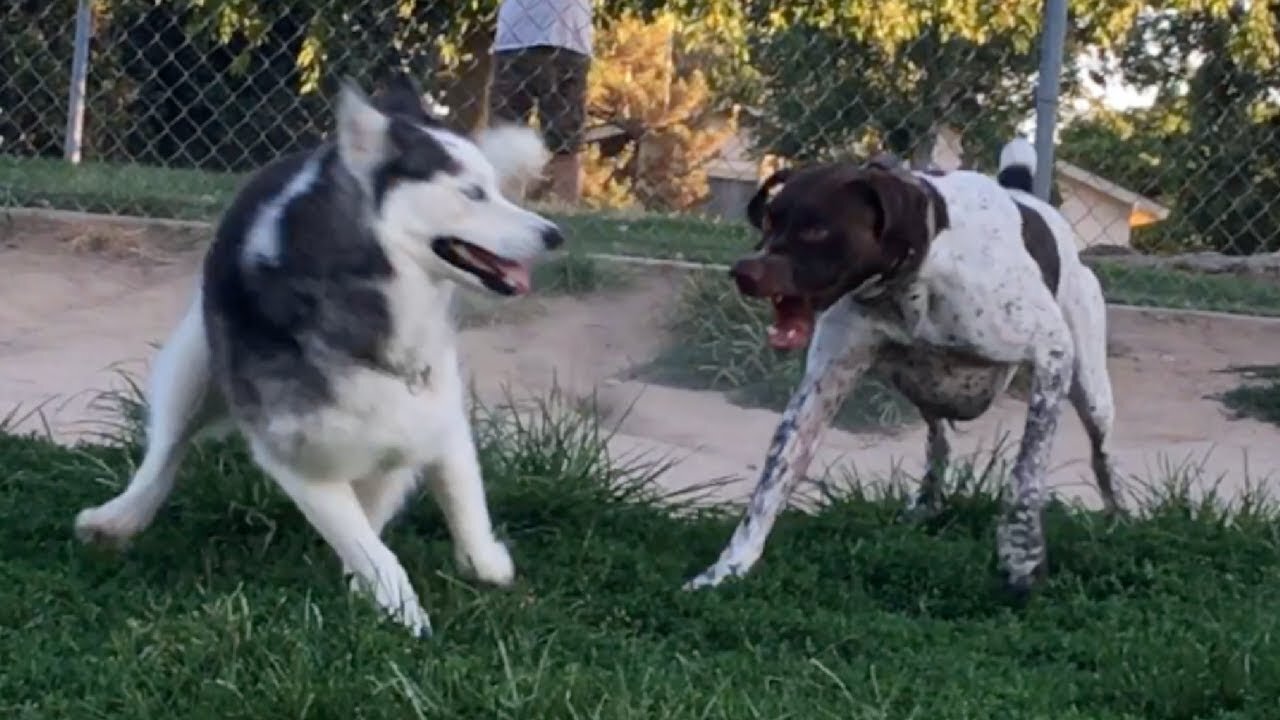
362	130
403	96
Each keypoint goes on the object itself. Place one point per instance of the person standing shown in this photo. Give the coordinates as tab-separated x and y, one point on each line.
541	56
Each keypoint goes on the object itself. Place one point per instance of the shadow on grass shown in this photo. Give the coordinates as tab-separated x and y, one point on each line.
1259	396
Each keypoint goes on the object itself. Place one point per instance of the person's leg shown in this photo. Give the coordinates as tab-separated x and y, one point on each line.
518	83
563	109
510	94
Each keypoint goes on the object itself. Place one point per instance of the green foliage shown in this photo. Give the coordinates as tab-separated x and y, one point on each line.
230	607
576	273
193	195
1154	287
1208	146
1234	155
33	75
1161	44
1137	149
831	94
855	77
229	84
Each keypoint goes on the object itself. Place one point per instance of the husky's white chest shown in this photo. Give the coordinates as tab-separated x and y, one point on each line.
376	422
404	412
422	332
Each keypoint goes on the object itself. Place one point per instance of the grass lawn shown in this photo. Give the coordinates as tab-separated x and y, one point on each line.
230	606
194	195
1153	287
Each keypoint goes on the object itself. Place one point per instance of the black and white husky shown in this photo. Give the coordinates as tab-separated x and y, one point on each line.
323	330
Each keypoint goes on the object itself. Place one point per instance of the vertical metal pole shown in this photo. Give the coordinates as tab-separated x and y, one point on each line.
79	76
1052	39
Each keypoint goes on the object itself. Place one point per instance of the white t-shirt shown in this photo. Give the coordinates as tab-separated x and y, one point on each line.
562	23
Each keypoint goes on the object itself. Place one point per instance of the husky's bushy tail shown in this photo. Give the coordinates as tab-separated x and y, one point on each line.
1017	165
517	153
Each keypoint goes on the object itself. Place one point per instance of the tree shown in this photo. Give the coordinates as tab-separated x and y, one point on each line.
1208	145
229	84
1233	156
1140	149
862	76
854	77
32	102
841	74
670	127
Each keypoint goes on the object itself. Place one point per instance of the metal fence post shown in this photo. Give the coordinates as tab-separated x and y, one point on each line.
1053	37
79	76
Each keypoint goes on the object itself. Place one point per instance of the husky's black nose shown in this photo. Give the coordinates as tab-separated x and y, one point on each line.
552	238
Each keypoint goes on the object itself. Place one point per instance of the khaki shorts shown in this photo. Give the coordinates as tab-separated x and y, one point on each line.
551	80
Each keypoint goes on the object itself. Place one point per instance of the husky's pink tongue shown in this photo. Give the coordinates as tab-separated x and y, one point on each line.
518	277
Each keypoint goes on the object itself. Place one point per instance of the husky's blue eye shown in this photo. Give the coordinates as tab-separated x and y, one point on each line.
474	192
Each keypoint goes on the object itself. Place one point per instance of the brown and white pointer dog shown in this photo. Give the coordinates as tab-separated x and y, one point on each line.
945	284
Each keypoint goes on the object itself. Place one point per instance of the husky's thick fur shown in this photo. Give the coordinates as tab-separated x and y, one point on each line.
323	330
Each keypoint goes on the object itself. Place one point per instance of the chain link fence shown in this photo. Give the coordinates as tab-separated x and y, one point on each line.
686	106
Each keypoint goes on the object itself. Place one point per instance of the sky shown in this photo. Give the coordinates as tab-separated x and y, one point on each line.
1116	95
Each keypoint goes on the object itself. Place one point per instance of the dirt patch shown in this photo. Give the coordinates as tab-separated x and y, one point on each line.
81	298
85	301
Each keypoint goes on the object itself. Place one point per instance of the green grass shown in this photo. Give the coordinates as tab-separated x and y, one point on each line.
128	189
1152	287
576	273
230	607
1259	396
717	341
120	189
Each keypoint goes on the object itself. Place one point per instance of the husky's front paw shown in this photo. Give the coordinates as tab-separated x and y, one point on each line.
393	593
415	619
114	523
489	563
715	575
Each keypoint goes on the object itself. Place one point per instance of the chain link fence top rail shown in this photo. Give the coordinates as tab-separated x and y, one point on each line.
684	107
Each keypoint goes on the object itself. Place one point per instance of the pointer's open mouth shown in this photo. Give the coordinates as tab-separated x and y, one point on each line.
792	322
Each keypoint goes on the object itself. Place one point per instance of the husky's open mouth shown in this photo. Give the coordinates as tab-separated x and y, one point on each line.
501	275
